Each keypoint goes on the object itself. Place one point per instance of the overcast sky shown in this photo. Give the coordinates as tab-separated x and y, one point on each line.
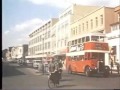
20	17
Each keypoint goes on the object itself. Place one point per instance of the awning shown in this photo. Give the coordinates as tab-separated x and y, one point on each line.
38	56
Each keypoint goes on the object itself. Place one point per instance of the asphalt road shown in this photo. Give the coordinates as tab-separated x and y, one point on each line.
17	77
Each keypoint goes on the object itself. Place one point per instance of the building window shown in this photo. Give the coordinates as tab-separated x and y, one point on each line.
75	41
45	45
79	29
83	26
76	30
48	45
101	17
73	31
49	34
87	25
39	47
72	42
118	17
96	19
91	24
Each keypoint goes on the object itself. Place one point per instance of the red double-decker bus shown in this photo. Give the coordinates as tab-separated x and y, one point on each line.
86	54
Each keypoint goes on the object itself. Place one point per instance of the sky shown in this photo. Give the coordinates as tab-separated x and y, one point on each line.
21	17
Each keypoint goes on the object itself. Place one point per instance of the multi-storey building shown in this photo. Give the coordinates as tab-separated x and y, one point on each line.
4	53
13	53
67	17
19	52
40	40
113	38
98	20
8	54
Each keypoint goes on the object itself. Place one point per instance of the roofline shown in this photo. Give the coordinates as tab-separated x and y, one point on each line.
42	25
91	13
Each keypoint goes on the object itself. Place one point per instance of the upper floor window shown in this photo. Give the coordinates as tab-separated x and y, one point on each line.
91	24
73	31
118	17
83	26
96	21
101	17
87	25
79	28
76	30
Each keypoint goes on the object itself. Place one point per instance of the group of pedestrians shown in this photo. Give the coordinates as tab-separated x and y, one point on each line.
50	66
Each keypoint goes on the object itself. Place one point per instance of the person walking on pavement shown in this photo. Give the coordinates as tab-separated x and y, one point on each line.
51	66
118	66
111	65
43	71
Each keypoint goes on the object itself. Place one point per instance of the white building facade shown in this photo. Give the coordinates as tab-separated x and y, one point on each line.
40	40
113	38
19	52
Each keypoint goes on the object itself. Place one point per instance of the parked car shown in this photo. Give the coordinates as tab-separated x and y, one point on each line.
36	63
21	62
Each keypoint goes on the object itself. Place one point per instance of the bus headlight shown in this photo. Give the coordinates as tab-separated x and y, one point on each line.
95	67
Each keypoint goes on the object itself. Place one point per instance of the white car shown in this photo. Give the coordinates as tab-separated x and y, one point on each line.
36	63
29	62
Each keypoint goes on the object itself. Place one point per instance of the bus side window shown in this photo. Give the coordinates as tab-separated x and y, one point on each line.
75	58
78	58
72	58
69	58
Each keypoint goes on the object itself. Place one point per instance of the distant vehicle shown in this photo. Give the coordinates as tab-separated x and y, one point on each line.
21	62
29	62
36	63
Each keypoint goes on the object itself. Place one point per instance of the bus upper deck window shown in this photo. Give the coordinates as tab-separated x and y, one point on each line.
94	38
79	40
75	41
72	42
87	38
83	39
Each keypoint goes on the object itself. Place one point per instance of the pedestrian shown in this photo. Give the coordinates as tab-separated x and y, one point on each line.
51	66
111	65
60	65
118	66
43	71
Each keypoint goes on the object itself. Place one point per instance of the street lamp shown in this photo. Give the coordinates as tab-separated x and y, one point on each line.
43	44
43	55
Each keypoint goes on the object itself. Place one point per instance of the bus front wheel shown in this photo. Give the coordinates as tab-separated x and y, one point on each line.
87	72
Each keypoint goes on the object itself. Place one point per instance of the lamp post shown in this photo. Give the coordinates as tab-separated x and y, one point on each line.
43	44
43	55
